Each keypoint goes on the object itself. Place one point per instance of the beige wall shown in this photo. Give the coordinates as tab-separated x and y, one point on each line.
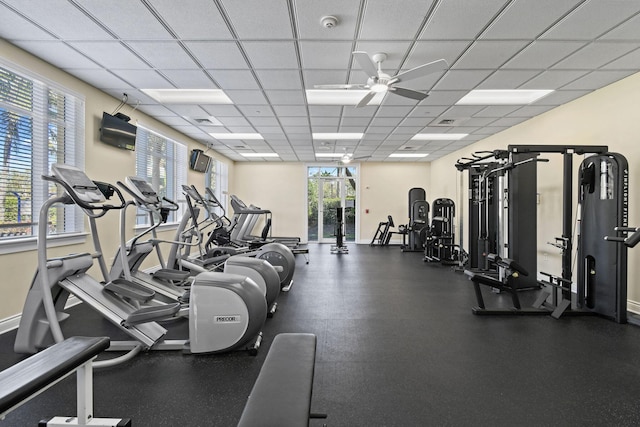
608	116
281	188
102	162
385	191
278	187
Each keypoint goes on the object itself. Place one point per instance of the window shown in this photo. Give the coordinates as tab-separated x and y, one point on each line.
217	179
40	124
163	163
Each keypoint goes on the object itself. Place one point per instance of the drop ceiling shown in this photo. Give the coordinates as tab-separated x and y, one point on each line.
264	54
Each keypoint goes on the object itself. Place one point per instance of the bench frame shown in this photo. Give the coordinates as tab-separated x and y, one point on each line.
79	363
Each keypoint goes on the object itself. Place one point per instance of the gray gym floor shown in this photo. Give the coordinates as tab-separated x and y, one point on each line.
397	346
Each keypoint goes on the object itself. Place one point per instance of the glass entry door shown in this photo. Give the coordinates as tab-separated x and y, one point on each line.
330	188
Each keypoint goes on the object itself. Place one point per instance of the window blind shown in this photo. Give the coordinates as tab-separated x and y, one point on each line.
40	124
163	163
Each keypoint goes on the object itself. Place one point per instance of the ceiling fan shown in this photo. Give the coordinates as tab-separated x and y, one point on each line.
348	158
380	82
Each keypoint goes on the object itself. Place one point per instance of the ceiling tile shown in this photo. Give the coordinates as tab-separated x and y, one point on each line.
460	19
290	110
497	111
110	54
591	19
530	110
525	19
595	55
630	61
325	111
309	14
628	30
286	97
56	16
280	79
541	54
57	53
597	79
164	54
15	27
553	79
257	19
234	79
189	79
101	79
394	23
489	54
144	79
217	55
507	79
462	79
271	55
430	50
129	20
325	54
205	24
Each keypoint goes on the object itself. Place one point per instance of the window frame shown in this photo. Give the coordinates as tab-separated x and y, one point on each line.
73	125
176	173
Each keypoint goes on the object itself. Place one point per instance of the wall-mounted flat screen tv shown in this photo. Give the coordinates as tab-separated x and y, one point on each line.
117	132
199	161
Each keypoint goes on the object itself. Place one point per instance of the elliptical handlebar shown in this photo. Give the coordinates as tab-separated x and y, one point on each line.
88	199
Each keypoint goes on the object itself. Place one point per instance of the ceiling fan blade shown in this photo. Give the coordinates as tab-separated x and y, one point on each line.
408	93
348	86
421	71
365	99
364	60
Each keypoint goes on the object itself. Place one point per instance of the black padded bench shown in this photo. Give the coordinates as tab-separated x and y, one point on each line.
28	378
281	396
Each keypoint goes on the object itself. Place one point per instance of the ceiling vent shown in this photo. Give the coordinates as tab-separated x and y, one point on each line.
206	121
409	148
448	122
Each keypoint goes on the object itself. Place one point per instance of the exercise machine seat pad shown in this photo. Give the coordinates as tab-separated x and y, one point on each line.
27	377
281	396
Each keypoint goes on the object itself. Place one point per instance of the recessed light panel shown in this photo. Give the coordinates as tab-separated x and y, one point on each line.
338	135
502	97
408	155
236	135
188	96
438	136
259	154
340	97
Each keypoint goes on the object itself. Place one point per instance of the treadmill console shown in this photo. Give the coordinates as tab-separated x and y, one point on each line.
82	186
142	190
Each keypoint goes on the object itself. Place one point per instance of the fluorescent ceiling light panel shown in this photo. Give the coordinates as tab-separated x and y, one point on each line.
338	135
340	97
236	135
438	136
188	96
408	155
502	97
329	154
259	154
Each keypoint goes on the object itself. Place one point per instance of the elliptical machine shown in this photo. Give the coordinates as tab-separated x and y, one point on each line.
131	254
236	305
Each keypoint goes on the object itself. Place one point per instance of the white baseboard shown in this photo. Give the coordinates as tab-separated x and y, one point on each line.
12	322
633	306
